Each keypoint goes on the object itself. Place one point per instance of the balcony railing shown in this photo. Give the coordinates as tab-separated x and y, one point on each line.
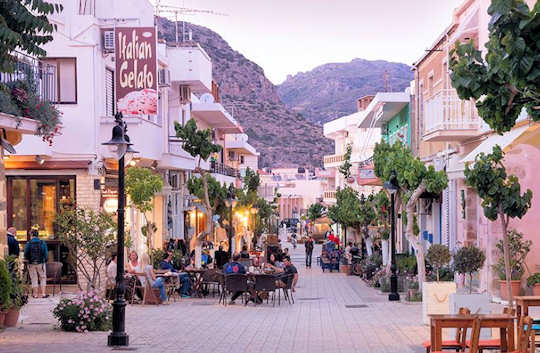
335	158
38	75
330	194
220	168
446	111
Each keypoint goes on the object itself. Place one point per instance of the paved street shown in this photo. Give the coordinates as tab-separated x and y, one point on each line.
318	322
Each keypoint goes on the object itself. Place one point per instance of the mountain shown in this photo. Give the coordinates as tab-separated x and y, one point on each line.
331	90
283	137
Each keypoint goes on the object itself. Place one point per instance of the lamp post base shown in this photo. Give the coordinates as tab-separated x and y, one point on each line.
118	339
393	297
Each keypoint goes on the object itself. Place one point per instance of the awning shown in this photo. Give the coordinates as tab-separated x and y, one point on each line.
502	140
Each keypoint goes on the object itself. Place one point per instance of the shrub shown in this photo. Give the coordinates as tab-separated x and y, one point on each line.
519	249
157	255
5	286
17	294
6	105
87	312
438	255
467	260
533	279
406	265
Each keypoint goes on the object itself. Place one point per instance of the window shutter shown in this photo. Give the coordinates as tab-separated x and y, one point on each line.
109	92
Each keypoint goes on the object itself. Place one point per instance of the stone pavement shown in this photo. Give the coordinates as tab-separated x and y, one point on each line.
319	321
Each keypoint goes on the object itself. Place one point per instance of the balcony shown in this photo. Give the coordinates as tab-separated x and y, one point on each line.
329	197
215	116
223	173
176	158
190	65
448	118
333	160
239	143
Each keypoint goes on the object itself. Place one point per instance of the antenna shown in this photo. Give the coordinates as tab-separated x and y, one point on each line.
386	78
169	11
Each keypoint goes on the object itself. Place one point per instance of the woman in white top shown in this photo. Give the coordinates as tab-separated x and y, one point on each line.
133	266
154	282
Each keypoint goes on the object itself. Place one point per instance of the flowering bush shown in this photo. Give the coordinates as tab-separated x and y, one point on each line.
87	312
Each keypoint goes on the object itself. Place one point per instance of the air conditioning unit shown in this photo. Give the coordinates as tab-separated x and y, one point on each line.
164	78
185	94
233	156
108	41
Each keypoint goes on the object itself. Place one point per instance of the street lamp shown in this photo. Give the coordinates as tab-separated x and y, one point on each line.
392	187
231	195
121	147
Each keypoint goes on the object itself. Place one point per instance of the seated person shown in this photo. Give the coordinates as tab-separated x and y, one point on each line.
234	267
245	253
154	282
288	270
221	257
185	283
275	262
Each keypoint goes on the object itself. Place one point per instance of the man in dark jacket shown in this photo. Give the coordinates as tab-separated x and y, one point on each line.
309	251
13	243
36	253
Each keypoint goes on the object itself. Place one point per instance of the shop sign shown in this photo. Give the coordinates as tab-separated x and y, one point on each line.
136	70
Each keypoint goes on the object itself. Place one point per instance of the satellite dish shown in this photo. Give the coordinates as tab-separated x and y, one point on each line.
207	98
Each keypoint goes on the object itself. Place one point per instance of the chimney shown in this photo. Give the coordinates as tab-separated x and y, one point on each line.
363	102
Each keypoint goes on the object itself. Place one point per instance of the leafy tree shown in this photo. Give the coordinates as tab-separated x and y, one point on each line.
346	210
88	235
198	143
519	249
141	186
501	196
217	194
367	217
438	255
413	178
315	211
345	168
507	79
467	260
24	26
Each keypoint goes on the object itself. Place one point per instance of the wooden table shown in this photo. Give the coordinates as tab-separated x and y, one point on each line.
504	322
171	281
523	303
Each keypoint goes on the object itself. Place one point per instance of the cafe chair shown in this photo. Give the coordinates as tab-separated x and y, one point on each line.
455	344
151	295
211	280
494	343
266	283
235	283
54	273
526	336
475	336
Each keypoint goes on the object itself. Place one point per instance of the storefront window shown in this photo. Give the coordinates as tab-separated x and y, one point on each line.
43	206
19	207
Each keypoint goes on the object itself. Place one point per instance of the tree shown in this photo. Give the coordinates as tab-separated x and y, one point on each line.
467	260
345	168
367	217
346	210
24	26
198	143
315	211
413	179
507	79
88	235
141	186
501	196
217	194
438	255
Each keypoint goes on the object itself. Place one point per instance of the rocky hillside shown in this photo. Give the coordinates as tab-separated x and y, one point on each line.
331	90
283	137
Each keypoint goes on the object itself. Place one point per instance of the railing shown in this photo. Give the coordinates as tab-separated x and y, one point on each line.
220	168
38	75
335	158
330	194
446	111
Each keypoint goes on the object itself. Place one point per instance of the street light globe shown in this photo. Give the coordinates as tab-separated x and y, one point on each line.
118	150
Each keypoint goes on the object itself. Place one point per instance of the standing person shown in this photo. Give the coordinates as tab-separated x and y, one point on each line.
309	251
36	253
13	243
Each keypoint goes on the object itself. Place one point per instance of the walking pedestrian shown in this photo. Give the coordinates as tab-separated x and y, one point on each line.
36	253
309	251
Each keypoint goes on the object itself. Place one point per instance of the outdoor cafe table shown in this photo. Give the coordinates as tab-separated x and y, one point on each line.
504	322
523	303
196	277
172	281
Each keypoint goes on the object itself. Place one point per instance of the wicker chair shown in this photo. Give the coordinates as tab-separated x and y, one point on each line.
234	283
54	273
266	283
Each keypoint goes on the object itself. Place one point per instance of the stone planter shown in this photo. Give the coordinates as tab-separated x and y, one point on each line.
536	289
12	317
436	298
515	286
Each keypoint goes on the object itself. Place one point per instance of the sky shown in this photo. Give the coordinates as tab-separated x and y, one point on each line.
285	37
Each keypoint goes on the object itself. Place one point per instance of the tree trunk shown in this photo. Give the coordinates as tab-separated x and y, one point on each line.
209	210
414	239
506	248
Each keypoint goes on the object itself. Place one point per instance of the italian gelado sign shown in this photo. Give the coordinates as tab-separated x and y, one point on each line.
136	70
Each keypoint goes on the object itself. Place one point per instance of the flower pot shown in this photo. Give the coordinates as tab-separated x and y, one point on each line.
345	269
536	289
2	318
514	286
12	317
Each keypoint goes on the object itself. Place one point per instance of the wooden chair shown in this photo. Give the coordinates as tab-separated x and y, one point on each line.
457	344
475	336
526	336
54	273
109	289
494	343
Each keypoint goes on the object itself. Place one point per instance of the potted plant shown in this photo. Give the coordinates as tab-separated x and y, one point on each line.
17	294
436	295
5	290
467	261
534	282
518	250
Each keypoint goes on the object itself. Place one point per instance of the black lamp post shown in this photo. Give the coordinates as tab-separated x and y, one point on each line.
231	195
121	147
392	188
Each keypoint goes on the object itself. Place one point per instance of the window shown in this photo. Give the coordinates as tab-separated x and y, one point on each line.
242	159
66	79
109	93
